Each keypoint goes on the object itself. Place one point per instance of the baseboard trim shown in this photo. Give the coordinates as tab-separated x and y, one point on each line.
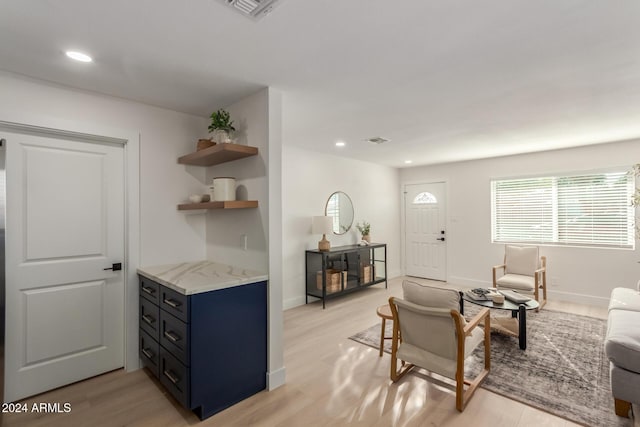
293	302
578	298
276	378
469	283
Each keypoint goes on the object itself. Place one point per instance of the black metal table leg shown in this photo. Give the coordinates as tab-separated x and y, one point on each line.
522	326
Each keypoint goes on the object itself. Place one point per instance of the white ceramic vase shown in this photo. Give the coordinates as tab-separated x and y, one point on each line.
221	136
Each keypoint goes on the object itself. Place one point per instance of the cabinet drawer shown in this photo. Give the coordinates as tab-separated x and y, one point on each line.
150	353
174	303
174	336
150	318
150	290
175	377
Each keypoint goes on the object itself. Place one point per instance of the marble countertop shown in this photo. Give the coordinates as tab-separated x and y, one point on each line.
202	276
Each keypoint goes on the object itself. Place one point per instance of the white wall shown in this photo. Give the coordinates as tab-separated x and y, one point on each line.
257	119
166	235
309	178
156	138
585	275
225	228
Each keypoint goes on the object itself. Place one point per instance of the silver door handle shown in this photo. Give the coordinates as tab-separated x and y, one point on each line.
150	320
172	336
147	353
149	291
171	376
172	303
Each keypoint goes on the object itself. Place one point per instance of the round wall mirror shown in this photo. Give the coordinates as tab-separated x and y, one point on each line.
340	208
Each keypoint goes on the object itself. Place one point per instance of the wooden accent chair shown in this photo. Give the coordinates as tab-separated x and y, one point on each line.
429	332
523	271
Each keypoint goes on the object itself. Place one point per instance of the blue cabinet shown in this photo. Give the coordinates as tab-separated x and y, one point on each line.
208	349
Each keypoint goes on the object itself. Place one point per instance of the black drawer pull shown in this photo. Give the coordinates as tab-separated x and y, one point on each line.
148	353
172	303
149	291
172	336
172	377
150	320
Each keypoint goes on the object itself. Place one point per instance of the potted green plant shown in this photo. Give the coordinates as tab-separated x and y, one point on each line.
221	125
364	230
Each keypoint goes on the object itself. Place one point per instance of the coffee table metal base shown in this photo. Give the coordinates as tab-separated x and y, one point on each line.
516	325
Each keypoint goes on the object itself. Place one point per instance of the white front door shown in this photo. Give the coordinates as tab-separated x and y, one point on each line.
425	238
65	225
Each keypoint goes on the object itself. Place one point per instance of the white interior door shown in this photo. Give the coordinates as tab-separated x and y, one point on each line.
65	225
425	238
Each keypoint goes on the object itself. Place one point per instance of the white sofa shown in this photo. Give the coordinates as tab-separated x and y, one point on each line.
622	346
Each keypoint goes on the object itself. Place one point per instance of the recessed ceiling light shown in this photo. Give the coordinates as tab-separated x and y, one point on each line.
78	56
340	144
408	161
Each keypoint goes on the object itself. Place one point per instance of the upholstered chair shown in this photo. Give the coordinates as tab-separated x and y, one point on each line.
524	270
429	332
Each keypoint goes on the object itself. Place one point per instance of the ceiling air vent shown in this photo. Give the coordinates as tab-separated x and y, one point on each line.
377	140
255	9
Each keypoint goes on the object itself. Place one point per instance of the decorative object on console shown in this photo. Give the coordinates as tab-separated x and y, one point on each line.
221	125
322	225
364	230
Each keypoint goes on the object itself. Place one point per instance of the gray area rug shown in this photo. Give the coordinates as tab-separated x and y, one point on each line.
563	371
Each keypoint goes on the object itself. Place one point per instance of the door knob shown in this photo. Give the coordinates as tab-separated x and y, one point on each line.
441	239
115	267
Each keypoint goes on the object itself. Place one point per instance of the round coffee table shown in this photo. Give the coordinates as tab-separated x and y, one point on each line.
516	325
384	312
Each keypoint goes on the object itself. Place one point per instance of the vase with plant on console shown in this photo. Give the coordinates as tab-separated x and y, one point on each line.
364	230
221	126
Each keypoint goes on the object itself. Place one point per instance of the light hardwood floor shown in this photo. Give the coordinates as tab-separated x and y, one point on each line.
331	380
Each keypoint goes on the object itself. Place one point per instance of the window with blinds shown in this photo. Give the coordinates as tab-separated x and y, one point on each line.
578	210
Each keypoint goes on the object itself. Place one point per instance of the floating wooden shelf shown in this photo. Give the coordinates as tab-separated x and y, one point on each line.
219	153
234	204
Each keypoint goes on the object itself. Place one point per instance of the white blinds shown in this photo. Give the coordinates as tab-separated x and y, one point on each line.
580	210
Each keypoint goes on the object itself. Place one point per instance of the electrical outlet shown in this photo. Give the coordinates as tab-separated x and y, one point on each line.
555	282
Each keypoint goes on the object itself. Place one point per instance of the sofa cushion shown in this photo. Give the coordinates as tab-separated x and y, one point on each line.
625	385
622	343
625	299
430	296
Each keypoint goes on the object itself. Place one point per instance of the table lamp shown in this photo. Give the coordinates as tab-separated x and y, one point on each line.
322	225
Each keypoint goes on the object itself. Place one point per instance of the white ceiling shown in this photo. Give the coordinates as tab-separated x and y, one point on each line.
444	80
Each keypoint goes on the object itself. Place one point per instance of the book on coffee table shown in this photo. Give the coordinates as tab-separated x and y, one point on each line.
515	297
478	294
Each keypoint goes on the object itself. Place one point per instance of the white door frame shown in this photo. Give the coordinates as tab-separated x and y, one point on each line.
130	141
403	222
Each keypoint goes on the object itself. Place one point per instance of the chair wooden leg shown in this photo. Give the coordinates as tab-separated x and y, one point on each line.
622	408
396	374
382	336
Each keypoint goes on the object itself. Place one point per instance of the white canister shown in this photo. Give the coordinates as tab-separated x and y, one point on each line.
223	189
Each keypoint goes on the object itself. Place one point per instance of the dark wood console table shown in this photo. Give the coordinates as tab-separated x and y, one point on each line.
344	269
